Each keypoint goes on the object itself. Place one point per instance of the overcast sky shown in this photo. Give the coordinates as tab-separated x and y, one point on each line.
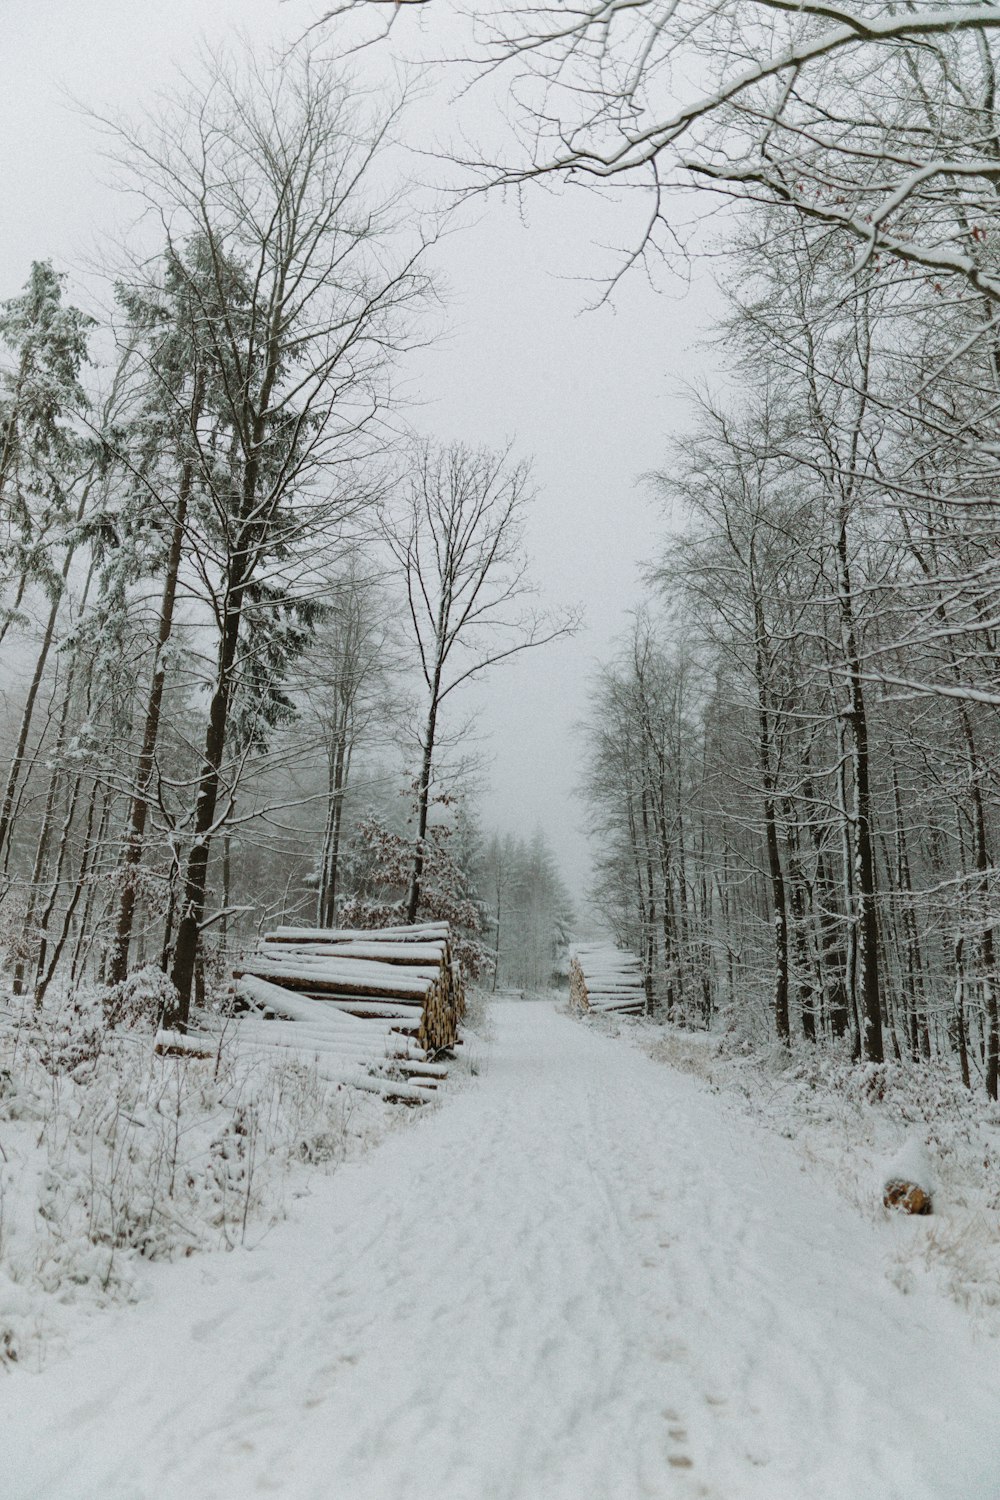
592	397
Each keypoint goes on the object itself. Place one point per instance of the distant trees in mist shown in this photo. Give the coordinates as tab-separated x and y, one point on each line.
527	911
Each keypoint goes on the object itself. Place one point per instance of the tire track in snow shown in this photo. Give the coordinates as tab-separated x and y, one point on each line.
583	1279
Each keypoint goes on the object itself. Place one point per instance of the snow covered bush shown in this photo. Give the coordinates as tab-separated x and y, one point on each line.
140	1000
380	859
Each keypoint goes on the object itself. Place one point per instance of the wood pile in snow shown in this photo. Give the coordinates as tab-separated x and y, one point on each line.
604	978
373	1009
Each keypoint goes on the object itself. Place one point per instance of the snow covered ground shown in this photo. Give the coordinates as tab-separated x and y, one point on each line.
585	1277
113	1158
857	1126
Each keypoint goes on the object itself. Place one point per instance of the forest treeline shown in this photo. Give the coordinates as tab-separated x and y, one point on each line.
793	757
794	753
235	597
217	552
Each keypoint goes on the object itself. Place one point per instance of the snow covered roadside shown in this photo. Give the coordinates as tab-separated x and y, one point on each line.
579	1279
113	1158
851	1124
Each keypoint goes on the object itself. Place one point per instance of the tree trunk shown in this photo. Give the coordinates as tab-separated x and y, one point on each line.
775	874
45	978
987	950
55	883
88	928
227	885
423	800
865	883
797	906
45	833
496	965
920	1045
961	1031
331	859
196	873
132	849
649	942
27	714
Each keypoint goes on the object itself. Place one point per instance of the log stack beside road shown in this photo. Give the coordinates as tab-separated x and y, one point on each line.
378	1006
604	978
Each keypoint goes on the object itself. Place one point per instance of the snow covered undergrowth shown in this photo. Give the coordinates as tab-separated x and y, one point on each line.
583	1277
112	1157
854	1125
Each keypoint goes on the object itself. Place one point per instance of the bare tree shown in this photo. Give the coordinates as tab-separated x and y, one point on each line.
457	539
285	236
348	684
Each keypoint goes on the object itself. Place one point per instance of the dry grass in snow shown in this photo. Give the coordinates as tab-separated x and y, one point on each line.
112	1156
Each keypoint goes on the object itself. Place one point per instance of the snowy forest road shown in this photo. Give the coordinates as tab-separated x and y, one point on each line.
583	1278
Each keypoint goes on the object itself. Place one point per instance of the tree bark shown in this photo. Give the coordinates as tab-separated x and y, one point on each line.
779	909
865	882
194	893
330	873
27	714
423	799
132	849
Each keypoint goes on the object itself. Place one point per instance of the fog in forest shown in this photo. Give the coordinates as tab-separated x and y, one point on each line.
499	743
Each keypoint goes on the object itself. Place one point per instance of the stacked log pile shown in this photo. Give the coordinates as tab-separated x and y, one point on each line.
374	1009
603	978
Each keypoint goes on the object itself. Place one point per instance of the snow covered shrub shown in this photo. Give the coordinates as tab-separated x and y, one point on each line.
18	939
870	1081
321	1146
380	861
690	1052
15	1320
67	1041
740	1025
478	1018
141	999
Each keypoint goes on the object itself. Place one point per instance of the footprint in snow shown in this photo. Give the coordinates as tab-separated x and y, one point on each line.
202	1331
677	1433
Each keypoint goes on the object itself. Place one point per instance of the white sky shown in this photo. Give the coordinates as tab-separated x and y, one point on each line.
592	396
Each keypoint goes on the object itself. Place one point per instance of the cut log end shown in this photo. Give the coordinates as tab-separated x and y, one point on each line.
402	980
178	1044
906	1197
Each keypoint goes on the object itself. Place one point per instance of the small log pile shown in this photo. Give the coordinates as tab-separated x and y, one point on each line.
603	978
374	1009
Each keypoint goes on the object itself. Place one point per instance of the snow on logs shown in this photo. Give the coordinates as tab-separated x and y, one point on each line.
604	978
370	1008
